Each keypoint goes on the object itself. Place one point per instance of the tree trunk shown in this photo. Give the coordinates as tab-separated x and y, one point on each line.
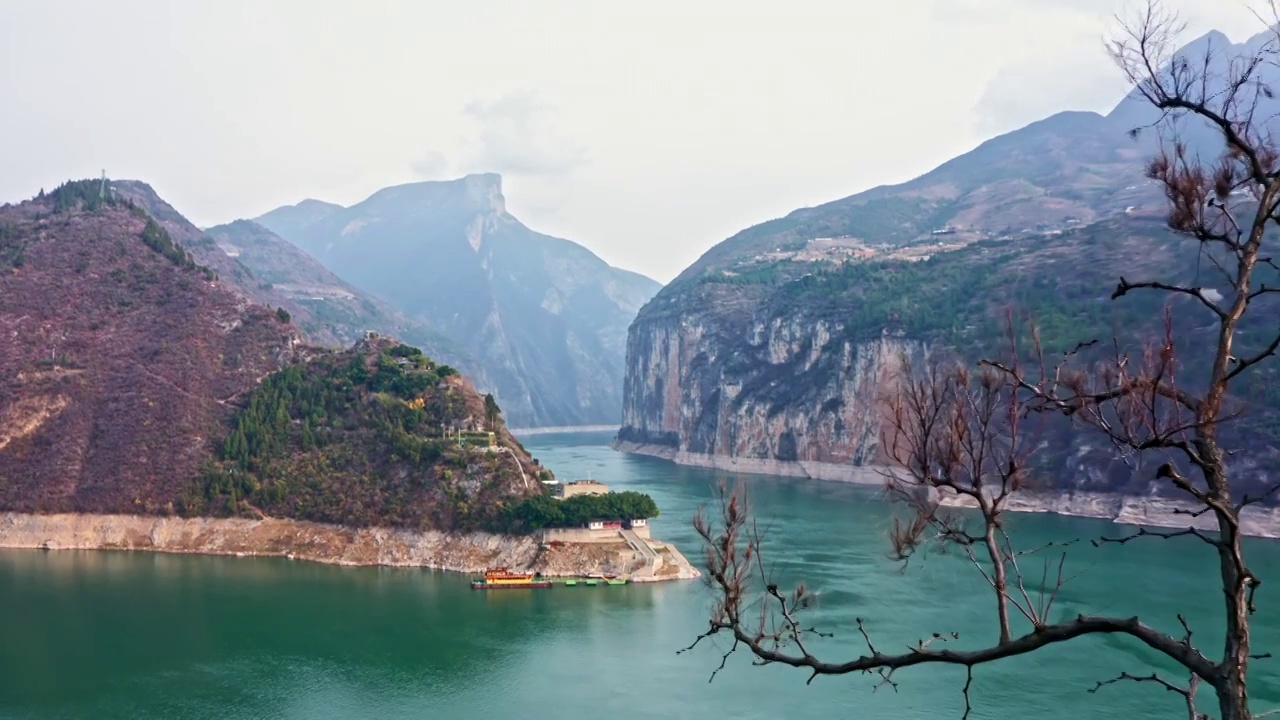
1233	704
1233	699
1233	696
1000	580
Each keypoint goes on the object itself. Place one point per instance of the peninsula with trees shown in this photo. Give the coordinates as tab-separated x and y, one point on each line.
148	403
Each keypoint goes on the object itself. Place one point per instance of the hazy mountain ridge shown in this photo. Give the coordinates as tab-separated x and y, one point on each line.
544	316
265	269
291	218
333	308
231	272
1069	169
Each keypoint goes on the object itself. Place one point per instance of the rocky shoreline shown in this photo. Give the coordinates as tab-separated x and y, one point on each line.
332	544
1149	511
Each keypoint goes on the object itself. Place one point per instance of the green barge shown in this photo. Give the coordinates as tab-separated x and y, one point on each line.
590	582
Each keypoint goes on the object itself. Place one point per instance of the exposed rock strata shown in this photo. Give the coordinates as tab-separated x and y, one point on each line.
318	542
788	395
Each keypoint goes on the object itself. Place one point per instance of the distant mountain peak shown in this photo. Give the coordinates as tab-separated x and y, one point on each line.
481	192
486	189
313	204
299	215
1263	38
486	179
1216	37
546	317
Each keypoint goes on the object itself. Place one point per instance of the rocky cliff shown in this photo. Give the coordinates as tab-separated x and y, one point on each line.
783	394
544	317
769	353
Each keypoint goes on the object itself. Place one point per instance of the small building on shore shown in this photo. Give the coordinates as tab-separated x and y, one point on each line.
564	491
597	531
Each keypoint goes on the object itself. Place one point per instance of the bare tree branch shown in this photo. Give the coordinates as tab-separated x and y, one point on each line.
1198	293
729	546
1144	678
1188	693
1242	365
1144	532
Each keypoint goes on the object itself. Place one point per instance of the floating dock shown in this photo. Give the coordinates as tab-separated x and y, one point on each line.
588	581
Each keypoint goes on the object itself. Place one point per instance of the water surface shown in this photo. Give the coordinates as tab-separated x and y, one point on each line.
140	635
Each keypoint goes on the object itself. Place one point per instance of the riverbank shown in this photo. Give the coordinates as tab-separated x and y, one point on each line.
1147	511
837	472
337	545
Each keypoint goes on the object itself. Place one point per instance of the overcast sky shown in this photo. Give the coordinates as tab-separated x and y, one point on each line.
647	131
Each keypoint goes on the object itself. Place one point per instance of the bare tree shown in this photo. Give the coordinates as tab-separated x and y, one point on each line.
962	432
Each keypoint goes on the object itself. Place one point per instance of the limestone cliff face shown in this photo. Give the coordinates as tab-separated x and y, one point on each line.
785	375
791	389
769	352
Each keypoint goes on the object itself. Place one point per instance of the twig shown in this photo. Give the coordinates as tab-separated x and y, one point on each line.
1247	500
1143	532
1153	678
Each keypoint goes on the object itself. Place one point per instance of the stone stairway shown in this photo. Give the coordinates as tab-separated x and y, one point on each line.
652	560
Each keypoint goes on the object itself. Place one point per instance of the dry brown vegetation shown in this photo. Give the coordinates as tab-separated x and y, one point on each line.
125	369
140	354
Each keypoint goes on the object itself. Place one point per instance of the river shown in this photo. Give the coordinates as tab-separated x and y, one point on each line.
140	635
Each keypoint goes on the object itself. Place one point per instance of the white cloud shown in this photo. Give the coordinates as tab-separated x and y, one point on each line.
516	135
432	165
1054	57
1041	85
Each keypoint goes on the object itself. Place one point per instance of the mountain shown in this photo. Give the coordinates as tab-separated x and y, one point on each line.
290	219
1070	169
265	269
1135	112
772	350
332	308
546	318
134	380
233	274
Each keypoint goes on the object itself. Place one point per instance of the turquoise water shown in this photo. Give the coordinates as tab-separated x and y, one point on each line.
138	635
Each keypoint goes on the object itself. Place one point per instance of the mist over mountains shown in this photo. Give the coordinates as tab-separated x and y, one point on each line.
544	317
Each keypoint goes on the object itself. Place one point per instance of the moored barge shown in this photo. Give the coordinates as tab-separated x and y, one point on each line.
502	579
